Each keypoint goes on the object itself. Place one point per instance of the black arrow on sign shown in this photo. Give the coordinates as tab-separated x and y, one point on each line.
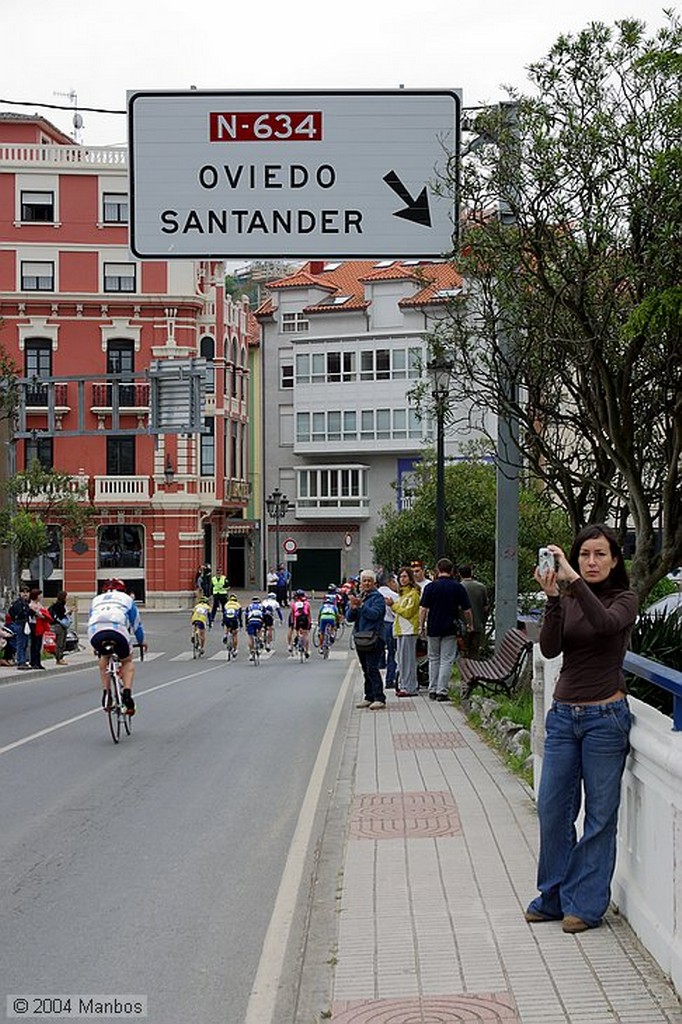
415	209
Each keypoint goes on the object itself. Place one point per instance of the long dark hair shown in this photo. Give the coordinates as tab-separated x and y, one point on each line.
619	575
406	569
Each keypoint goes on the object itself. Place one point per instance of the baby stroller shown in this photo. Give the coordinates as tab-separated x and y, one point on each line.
72	642
422	662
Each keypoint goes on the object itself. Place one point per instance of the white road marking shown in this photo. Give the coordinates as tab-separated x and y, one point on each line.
263	996
94	711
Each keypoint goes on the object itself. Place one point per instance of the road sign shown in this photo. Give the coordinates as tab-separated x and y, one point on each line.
291	558
250	174
41	568
290	545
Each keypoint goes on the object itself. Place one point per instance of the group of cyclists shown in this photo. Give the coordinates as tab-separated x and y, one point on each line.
114	620
258	619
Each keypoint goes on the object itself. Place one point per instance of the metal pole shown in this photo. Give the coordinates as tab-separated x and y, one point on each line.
440	480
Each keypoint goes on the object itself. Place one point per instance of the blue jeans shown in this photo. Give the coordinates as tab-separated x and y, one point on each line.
584	745
390	665
21	642
370	662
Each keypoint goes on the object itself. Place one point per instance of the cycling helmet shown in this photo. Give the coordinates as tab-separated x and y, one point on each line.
272	597
299	593
114	584
233	597
256	599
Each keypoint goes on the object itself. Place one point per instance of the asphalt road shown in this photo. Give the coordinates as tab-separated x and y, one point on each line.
151	868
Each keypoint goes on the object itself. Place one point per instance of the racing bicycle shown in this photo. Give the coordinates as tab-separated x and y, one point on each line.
197	649
116	711
257	647
228	640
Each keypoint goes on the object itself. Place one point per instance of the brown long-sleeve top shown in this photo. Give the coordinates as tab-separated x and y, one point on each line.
590	626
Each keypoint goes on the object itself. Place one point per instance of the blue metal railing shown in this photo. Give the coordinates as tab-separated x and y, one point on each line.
667	678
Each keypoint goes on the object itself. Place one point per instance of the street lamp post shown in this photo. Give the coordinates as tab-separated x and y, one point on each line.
277	505
440	373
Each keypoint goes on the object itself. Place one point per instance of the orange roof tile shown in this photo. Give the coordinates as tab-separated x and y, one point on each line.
349	277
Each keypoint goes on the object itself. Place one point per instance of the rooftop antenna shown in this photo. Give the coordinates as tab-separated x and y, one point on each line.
72	97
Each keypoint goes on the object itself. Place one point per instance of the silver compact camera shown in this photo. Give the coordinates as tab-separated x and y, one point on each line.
547	561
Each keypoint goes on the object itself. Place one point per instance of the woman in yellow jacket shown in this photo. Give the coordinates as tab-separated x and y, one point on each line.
406	629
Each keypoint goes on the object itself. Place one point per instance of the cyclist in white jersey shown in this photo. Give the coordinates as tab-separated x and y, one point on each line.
114	617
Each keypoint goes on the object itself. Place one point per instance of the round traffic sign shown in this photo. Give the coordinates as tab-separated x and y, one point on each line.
290	545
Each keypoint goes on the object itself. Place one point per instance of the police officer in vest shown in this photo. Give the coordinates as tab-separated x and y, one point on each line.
220	586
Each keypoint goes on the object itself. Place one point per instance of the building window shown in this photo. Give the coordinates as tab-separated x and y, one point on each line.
121	359
207	352
383	421
334	426
120	547
318	368
207	449
286	376
37	277
37	207
302	426
38	364
333	487
121	456
348	366
350	425
294	323
319	426
400	423
334	367
115	208
302	369
119	277
40	448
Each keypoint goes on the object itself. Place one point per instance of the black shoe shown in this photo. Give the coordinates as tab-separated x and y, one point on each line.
42	667
128	701
432	694
443	696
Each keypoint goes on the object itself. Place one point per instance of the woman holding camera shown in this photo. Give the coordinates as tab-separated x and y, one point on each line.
590	612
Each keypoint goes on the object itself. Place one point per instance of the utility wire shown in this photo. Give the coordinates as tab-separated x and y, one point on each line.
61	106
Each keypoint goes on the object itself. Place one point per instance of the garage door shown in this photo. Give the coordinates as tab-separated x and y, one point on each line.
316	568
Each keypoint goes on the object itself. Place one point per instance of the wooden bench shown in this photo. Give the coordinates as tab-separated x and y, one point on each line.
501	673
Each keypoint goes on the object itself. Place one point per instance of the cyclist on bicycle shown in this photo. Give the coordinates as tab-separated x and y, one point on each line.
199	621
254	622
270	608
113	617
327	619
232	621
299	621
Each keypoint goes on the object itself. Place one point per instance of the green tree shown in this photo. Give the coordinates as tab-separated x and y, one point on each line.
37	497
470	523
572	253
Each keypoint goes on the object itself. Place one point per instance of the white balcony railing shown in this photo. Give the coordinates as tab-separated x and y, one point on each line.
83	156
116	489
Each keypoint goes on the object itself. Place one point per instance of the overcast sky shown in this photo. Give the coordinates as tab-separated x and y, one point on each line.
101	50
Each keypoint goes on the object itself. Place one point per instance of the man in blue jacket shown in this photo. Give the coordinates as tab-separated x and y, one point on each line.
366	611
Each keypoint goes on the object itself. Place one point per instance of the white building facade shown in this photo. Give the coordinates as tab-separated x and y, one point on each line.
343	344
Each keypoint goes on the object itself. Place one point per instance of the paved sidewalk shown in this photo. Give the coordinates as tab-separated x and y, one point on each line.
439	866
74	659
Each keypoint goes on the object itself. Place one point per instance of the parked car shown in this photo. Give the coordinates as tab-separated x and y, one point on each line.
671	604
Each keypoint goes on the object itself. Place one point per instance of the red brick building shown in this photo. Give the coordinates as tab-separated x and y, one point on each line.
74	302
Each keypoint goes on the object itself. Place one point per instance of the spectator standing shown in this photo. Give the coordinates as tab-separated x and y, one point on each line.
389	590
282	587
219	587
366	611
443	601
588	618
40	621
203	580
406	628
19	615
480	607
61	622
419	573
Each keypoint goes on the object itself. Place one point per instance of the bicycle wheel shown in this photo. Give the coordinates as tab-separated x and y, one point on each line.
127	721
196	644
316	637
325	646
340	628
229	646
301	650
113	712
